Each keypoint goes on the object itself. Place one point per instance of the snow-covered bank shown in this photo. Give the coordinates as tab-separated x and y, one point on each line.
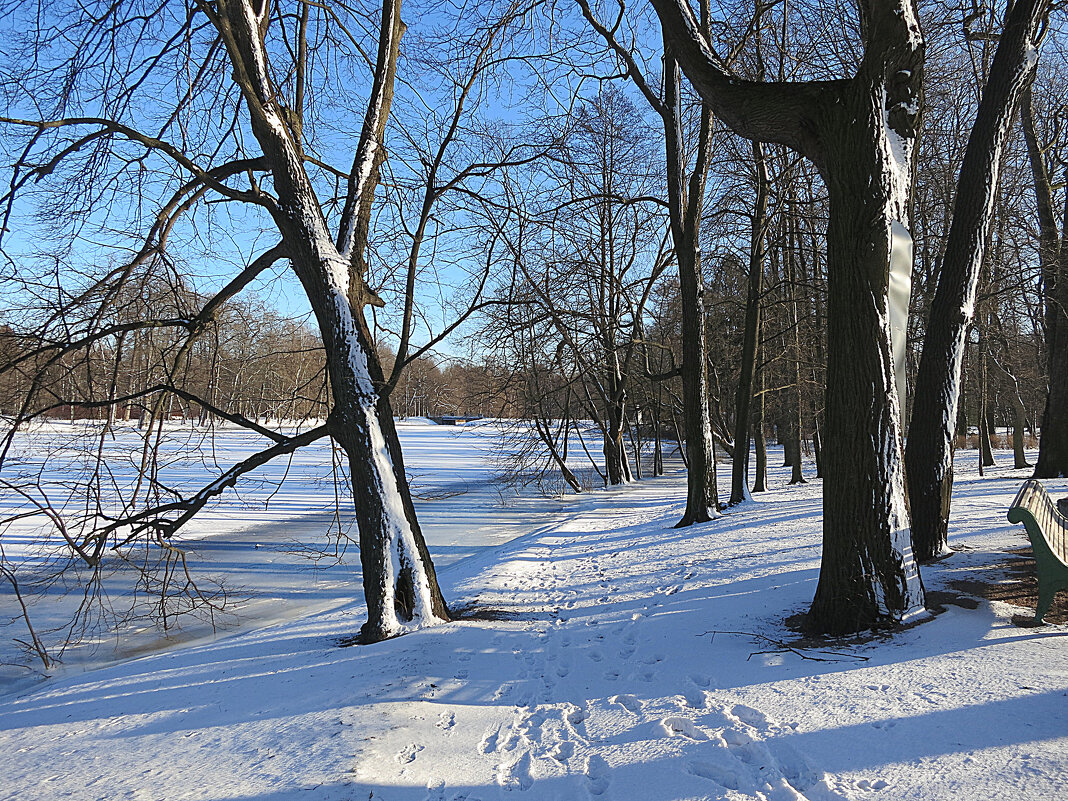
592	672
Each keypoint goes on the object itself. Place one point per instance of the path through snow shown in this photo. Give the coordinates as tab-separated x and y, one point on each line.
589	672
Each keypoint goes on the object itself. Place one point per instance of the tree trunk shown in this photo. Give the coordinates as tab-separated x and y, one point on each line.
751	338
817	447
867	576
861	134
702	499
542	427
1011	387
760	446
658	446
1019	423
934	407
399	579
793	244
986	454
617	470
1053	251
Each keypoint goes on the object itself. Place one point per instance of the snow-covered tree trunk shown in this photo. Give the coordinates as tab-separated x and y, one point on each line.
391	548
929	450
868	577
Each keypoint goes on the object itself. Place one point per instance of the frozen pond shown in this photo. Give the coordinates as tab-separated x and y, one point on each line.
277	543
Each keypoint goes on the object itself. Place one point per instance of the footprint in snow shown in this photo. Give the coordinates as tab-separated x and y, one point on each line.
872	784
575	719
724	770
407	754
446	721
794	766
435	790
750	716
700	679
490	740
751	751
598	774
695	699
515	775
682	727
563	751
628	702
738	738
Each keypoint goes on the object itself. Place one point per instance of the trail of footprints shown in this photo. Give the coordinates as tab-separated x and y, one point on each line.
733	748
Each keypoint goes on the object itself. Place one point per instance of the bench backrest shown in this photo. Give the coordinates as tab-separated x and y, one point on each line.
1035	509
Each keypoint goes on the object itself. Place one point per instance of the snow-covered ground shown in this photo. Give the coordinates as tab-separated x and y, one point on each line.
609	656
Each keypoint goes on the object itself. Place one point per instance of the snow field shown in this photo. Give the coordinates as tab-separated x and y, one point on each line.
596	663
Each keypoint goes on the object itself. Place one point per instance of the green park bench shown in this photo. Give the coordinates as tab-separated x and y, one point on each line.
1048	530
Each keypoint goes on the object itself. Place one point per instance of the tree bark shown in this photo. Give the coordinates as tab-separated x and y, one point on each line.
861	134
397	573
867	576
934	407
702	499
793	244
1053	252
751	337
760	446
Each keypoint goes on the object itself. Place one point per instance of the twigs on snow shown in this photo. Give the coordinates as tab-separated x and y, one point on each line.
783	647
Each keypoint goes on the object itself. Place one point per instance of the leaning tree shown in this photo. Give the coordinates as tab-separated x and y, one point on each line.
168	113
1053	258
929	450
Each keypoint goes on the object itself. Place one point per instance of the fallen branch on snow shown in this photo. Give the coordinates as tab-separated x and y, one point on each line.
782	647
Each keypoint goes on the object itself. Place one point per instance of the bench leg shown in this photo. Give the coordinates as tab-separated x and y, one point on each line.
1046	592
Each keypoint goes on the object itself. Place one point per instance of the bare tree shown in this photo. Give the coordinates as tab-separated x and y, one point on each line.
1053	255
240	129
860	132
929	451
685	201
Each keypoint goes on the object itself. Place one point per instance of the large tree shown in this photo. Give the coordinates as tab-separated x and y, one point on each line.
215	100
685	201
1053	256
929	450
860	132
